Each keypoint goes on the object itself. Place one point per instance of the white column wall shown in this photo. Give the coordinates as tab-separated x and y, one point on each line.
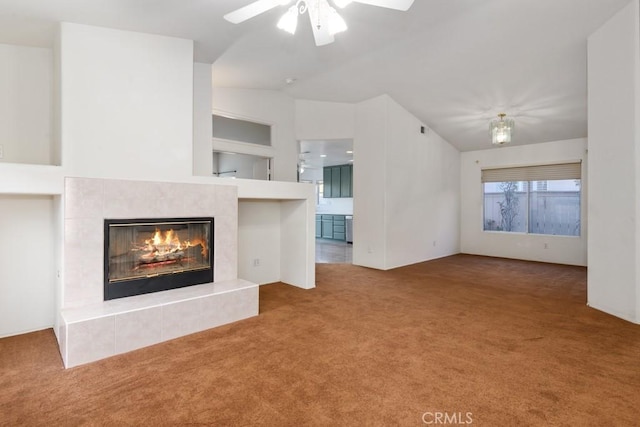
369	183
297	219
614	153
534	247
127	104
202	133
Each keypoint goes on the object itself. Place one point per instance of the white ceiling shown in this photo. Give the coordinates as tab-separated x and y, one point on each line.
320	153
455	64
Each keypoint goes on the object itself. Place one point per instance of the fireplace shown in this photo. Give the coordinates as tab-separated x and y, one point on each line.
151	255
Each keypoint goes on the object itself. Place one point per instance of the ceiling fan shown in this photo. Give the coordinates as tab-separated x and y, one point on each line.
325	20
303	162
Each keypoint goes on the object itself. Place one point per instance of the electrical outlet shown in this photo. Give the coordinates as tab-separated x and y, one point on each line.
1	152
546	246
434	243
256	262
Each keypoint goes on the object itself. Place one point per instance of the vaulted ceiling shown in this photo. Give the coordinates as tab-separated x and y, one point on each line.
455	64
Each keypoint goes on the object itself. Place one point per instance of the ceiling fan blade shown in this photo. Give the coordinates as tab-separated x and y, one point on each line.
402	5
252	9
320	28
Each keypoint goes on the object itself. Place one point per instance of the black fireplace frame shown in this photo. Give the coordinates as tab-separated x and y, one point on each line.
159	283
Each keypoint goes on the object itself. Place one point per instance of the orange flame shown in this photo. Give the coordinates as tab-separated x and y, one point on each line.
170	242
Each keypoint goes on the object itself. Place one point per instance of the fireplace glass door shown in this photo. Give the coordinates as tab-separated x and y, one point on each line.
143	256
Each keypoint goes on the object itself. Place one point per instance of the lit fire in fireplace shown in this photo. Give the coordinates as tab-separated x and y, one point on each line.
157	254
166	247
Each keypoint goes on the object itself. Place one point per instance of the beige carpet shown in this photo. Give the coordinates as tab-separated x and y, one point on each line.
493	341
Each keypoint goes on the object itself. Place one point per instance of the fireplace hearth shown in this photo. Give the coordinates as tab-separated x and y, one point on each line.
151	255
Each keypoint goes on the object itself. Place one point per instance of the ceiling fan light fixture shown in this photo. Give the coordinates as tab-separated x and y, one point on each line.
325	21
335	22
289	21
501	130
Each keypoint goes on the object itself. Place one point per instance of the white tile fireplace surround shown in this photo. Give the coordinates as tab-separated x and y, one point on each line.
89	328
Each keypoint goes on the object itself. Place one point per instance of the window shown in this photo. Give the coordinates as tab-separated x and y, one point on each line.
319	192
521	199
241	130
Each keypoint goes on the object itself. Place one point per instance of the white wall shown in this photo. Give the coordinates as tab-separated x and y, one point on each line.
298	228
559	249
406	186
27	280
338	206
202	149
268	107
312	174
324	120
614	153
127	104
259	239
422	192
26	99
369	183
128	113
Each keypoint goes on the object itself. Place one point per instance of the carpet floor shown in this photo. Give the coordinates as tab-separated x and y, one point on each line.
460	340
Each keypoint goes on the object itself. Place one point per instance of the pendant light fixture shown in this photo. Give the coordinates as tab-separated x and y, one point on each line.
501	130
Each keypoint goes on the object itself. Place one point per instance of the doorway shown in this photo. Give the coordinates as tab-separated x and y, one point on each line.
328	164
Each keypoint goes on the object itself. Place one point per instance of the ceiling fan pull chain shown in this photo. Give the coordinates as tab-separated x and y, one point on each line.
302	6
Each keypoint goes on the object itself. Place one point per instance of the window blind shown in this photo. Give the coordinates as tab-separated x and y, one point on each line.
533	173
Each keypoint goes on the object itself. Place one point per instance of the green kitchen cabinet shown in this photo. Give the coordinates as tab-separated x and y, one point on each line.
338	181
327	226
331	227
326	176
318	226
339	230
335	181
346	181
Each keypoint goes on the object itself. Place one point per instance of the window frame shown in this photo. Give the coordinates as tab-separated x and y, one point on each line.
559	172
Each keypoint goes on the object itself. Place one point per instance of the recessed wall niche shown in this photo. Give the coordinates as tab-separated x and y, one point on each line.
27	126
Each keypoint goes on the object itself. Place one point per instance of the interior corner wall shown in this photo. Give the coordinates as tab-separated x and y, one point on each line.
369	183
26	91
259	237
28	293
269	107
613	283
534	247
422	189
406	189
202	133
127	104
56	103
